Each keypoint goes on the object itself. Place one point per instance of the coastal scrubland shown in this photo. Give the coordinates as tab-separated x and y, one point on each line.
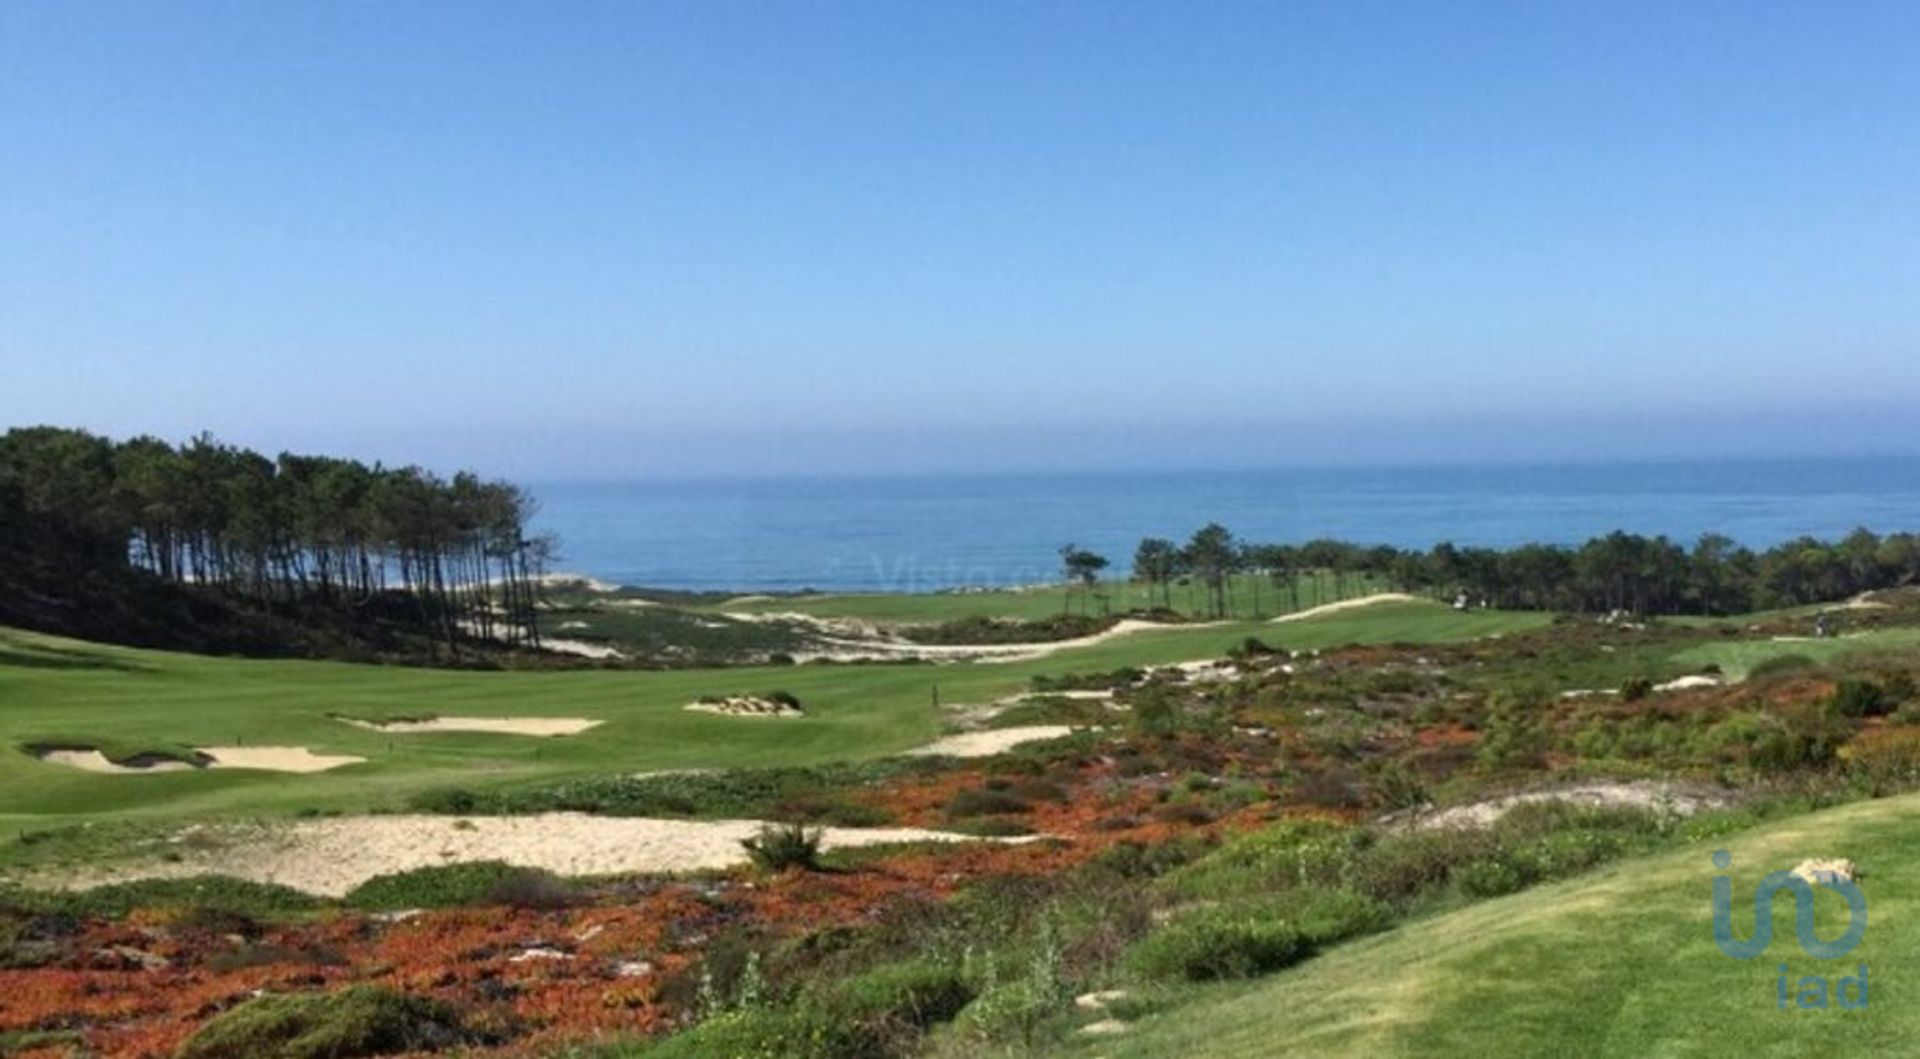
1233	832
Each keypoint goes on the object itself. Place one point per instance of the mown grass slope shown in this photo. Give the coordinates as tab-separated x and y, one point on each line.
65	692
1046	601
1618	963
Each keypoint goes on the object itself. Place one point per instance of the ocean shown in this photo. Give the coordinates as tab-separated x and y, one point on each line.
912	534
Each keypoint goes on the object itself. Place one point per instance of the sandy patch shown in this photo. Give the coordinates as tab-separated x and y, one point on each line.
533	726
1685	683
95	761
582	648
331	857
1664	797
992	741
1346	604
591	584
275	758
746	706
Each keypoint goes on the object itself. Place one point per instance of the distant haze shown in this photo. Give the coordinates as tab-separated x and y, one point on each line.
616	241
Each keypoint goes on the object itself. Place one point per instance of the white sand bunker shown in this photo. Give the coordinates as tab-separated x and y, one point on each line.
1346	604
275	758
331	857
748	706
95	761
261	758
992	741
533	726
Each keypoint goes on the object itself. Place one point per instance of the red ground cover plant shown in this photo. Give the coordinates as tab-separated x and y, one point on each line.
142	985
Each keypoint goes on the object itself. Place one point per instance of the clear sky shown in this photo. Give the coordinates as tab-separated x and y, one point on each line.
552	240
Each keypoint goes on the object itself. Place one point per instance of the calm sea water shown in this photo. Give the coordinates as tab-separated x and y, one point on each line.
923	533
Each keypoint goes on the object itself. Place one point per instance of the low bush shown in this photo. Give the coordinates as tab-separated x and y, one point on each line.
781	846
1856	698
821	791
1237	940
237	897
986	803
489	882
359	1021
1782	666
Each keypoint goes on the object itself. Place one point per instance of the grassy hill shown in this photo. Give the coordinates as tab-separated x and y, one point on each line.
1618	963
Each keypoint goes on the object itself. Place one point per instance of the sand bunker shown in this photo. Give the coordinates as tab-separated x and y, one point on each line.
95	761
1346	604
533	726
331	857
747	706
275	758
992	741
262	758
1661	797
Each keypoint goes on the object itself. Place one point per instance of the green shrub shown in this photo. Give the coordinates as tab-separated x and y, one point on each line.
1324	916
487	882
986	803
1238	940
915	995
1856	698
1636	688
1501	873
1512	735
1781	666
208	893
800	1031
1286	855
359	1021
781	846
1398	868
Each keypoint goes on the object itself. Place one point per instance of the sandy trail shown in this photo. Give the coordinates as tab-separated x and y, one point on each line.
1345	604
331	857
544	727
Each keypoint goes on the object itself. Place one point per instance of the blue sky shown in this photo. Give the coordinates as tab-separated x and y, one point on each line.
605	239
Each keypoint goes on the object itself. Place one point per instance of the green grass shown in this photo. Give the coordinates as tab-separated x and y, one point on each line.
121	697
1047	601
1737	658
1617	963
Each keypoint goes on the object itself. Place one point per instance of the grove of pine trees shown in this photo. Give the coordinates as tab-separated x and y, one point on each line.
78	511
1620	571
